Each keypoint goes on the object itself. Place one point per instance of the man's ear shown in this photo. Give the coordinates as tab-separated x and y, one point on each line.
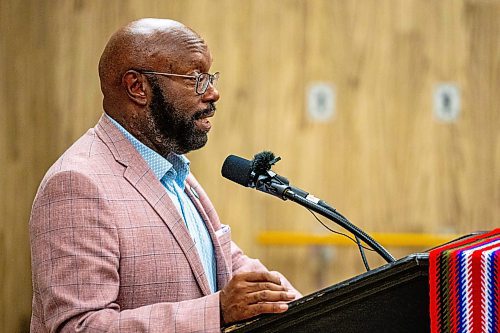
134	84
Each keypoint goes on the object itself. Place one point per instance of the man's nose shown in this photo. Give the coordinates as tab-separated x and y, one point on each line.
211	95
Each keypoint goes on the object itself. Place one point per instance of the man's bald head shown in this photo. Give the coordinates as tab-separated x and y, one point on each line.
145	44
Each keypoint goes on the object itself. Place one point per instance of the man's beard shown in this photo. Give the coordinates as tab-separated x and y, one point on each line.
177	132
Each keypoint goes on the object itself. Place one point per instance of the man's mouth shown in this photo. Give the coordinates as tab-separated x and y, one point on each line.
201	118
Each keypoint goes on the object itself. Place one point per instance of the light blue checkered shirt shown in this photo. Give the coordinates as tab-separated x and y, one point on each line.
172	173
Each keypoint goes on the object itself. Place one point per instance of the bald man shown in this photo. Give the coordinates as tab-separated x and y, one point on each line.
123	237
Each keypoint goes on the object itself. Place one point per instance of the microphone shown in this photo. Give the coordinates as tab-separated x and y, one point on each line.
258	174
238	170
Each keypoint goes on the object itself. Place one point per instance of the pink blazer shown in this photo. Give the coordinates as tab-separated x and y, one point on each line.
110	252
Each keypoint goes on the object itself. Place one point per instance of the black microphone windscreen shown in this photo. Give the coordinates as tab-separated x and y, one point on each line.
261	162
237	169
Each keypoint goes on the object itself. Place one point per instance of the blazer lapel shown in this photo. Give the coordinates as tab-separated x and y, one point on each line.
197	194
141	177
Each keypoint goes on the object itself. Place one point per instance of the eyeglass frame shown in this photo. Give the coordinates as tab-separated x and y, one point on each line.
212	78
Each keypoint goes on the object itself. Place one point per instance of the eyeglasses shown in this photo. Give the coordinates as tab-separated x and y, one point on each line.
203	80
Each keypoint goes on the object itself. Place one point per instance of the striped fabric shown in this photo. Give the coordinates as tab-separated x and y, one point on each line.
464	283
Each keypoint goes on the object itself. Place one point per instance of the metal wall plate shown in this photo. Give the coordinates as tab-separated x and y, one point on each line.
446	102
321	101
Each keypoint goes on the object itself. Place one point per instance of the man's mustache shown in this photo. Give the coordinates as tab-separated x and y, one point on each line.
210	110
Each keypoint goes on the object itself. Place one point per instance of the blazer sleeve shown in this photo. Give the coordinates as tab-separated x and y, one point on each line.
75	267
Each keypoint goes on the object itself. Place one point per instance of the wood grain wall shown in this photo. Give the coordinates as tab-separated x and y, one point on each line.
384	160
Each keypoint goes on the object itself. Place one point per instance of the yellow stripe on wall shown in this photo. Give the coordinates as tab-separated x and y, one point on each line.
386	239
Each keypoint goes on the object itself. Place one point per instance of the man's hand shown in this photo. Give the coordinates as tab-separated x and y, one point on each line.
252	293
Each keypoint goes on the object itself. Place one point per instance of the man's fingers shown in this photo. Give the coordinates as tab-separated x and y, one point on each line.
270	296
258	286
260	277
257	309
252	293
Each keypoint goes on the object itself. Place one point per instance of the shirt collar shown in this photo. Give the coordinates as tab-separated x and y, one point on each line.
174	167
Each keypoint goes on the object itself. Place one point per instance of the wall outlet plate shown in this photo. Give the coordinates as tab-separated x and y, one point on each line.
446	102
321	100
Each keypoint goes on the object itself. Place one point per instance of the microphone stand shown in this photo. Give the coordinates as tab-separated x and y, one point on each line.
279	186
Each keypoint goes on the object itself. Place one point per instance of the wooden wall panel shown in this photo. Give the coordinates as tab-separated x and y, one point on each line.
384	160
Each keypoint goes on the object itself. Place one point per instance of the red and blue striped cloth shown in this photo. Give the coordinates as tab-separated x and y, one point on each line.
464	285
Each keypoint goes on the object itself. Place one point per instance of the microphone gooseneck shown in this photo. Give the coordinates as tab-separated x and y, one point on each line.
258	174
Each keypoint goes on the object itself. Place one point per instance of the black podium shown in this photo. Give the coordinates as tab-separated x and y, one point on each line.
391	298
